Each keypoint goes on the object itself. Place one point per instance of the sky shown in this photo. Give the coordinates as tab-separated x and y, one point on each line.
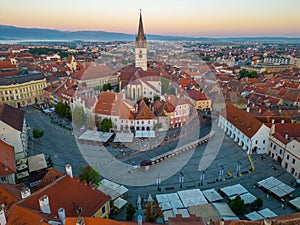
196	18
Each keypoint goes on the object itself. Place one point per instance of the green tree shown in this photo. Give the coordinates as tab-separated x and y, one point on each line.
164	85
37	133
130	210
79	116
157	126
238	205
90	175
107	87
84	84
153	212
60	108
156	97
106	125
253	74
258	203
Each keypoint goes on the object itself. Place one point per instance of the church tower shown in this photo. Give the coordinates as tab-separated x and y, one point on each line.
141	47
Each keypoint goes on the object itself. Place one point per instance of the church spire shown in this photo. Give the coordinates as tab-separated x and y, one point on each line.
140	38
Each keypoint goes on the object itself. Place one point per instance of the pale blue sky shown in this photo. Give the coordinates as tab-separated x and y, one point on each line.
213	18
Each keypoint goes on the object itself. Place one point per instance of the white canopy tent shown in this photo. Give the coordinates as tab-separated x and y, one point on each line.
192	197
267	213
212	195
119	203
275	186
236	189
124	137
295	202
253	216
112	189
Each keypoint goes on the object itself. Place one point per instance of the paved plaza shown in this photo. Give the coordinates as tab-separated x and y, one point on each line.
62	147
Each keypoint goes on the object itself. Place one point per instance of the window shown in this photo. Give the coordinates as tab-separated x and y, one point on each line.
288	157
271	145
256	142
264	141
293	161
103	209
280	152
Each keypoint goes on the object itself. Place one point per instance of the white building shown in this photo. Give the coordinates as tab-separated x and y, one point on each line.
251	134
13	129
284	146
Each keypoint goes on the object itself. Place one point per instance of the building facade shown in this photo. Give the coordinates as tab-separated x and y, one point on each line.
22	90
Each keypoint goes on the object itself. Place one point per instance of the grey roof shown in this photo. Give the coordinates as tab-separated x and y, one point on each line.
20	79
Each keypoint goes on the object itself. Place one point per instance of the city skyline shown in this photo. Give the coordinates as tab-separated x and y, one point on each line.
216	18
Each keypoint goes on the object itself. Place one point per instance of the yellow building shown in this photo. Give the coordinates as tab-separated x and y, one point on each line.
22	90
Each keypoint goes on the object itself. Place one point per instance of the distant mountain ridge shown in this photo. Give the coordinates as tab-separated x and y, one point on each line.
19	33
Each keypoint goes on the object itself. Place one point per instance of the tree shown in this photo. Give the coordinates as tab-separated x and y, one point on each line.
37	133
153	212
107	87
90	175
258	203
157	126
130	210
106	125
156	97
79	116
63	109
84	84
238	205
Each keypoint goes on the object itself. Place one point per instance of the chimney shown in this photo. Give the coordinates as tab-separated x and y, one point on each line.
273	121
286	136
69	170
25	192
2	215
282	121
222	222
248	109
62	215
259	111
44	204
80	220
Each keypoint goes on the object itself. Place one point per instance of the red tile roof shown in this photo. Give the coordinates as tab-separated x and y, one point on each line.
144	113
196	95
23	215
12	116
94	221
51	175
241	120
291	129
7	159
179	220
92	71
66	192
10	194
7	65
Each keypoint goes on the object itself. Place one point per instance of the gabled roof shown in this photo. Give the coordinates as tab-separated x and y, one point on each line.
12	116
7	65
51	175
242	120
197	95
23	215
10	194
92	71
7	159
291	129
144	113
66	192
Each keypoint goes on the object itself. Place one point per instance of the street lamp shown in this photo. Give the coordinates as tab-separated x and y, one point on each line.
181	179
221	173
238	168
158	183
202	176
